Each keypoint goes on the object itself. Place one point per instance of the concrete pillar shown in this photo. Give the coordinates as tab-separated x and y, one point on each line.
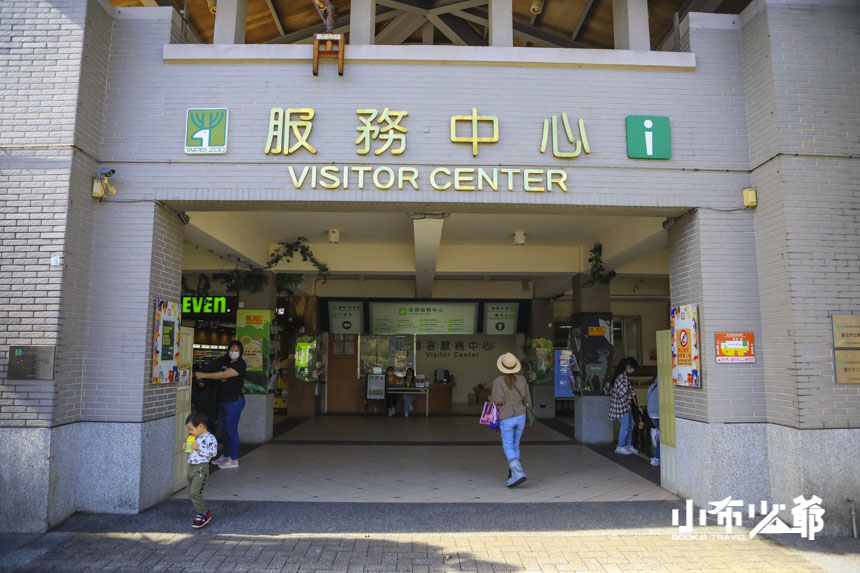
501	23
230	19
362	22
630	23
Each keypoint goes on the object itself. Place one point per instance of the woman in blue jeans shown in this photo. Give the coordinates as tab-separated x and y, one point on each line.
620	407
231	401
509	392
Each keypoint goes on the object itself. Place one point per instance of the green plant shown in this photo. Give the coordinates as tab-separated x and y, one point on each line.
286	252
286	282
597	270
252	281
204	282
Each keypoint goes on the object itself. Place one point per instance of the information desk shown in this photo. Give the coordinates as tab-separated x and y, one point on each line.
412	390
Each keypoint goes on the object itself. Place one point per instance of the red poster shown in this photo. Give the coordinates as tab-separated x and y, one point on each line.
735	347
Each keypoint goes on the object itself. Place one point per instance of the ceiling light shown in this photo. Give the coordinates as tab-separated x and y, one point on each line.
212	4
519	238
537	6
333	236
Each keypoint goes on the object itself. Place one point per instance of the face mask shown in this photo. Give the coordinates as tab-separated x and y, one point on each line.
234	356
629	371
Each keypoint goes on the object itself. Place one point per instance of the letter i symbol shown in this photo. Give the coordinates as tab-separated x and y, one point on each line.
649	137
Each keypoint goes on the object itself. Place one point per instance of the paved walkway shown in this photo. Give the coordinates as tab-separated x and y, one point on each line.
374	494
417	460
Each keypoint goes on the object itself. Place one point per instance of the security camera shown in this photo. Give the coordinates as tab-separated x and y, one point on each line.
107	172
668	223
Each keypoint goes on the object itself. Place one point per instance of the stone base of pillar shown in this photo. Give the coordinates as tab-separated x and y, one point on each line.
257	419
591	424
543	399
96	467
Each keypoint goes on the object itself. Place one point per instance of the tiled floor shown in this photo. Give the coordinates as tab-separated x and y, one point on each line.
375	459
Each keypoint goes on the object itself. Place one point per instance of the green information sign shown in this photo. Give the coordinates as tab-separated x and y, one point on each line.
500	318
423	318
648	137
345	317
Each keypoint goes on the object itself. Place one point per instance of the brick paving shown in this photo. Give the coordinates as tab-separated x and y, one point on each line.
622	551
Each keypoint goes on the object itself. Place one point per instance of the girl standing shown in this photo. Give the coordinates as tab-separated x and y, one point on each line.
619	406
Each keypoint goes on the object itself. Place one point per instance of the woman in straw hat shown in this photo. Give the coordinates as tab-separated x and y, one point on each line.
509	392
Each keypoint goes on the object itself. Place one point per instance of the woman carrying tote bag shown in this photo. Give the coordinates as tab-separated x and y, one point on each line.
511	396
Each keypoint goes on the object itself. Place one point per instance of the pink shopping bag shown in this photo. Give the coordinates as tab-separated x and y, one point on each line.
490	416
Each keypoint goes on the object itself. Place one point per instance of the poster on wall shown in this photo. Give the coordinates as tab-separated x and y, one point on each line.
684	327
423	318
735	347
253	328
376	386
500	317
165	348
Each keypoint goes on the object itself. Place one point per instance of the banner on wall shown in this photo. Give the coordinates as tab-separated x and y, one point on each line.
500	317
684	327
423	318
165	347
253	328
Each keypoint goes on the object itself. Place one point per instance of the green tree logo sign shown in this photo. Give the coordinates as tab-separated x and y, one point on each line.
206	131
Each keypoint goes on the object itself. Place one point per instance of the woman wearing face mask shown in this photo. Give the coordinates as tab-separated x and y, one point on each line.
409	381
231	401
620	407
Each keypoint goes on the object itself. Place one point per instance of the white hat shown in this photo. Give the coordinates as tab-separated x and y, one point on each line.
508	363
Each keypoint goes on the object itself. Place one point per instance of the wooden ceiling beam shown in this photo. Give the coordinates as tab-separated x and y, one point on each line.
582	17
534	35
400	28
449	7
275	17
456	29
306	35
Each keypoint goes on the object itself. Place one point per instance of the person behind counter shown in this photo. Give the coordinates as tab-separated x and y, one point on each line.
390	399
231	402
408	381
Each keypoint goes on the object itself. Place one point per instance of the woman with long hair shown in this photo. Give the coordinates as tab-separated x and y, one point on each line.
620	405
231	402
511	394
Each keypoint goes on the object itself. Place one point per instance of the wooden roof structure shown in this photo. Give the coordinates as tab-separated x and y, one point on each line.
560	23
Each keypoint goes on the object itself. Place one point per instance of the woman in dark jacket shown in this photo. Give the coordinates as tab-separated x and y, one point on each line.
231	402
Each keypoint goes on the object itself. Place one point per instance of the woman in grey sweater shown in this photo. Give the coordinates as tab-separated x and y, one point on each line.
509	392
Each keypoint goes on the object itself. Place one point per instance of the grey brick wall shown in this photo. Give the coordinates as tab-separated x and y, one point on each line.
41	45
800	66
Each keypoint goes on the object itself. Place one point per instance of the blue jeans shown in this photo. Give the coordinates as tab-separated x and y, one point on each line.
625	435
228	424
407	402
656	422
512	430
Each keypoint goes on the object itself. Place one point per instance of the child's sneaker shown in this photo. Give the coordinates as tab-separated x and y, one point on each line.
220	460
229	464
200	520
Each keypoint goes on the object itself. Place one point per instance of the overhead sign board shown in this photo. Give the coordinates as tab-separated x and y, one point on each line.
500	317
390	318
346	317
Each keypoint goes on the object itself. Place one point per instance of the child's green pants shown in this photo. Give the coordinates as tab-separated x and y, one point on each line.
196	476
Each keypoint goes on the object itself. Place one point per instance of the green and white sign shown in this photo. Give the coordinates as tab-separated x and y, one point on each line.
500	317
423	318
345	317
206	131
648	137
